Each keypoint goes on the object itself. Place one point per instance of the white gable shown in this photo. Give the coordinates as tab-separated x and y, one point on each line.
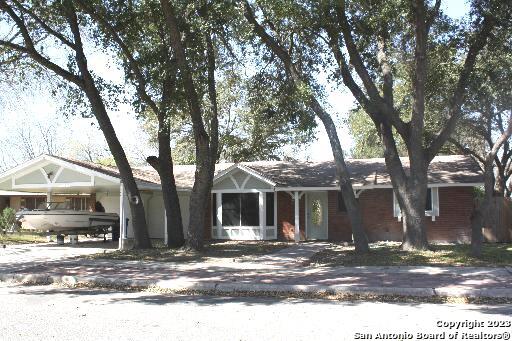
46	173
239	179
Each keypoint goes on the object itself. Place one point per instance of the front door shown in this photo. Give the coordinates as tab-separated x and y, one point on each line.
316	211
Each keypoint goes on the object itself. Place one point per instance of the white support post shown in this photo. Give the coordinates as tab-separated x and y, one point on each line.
166	236
262	204
218	209
48	195
122	217
297	218
275	215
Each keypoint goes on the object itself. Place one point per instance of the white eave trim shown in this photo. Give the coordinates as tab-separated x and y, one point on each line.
246	169
82	169
22	166
158	187
356	187
458	184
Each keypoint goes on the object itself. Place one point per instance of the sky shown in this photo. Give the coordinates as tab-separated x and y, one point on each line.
36	108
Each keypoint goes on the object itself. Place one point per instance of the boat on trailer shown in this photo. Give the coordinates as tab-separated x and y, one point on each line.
60	218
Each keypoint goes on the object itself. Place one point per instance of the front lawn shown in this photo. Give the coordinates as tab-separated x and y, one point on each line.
212	251
389	254
21	238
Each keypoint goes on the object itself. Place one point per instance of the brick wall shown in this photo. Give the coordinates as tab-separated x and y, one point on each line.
338	222
286	217
452	224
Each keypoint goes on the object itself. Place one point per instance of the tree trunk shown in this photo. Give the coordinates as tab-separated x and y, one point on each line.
481	214
140	230
170	194
342	172
200	195
343	175
204	152
501	184
413	215
477	223
164	166
410	190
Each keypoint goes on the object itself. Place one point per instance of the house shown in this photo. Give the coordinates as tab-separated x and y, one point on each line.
263	200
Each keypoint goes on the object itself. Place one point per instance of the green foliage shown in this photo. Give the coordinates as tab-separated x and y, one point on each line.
8	220
447	41
478	192
366	139
488	102
258	111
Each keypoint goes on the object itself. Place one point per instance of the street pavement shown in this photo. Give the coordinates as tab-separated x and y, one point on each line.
275	272
48	312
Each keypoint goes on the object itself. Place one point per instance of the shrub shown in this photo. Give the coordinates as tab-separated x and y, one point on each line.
8	220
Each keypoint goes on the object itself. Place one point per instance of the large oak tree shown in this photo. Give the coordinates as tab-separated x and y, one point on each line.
291	51
38	25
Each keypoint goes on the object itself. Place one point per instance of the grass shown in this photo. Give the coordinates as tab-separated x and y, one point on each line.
13	238
212	251
389	254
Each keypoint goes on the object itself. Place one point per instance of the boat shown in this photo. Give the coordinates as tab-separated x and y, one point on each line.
60	218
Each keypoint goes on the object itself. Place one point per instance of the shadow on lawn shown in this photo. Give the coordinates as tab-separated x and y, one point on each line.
390	254
215	249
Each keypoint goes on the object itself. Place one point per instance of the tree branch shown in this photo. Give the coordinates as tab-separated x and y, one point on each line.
386	111
458	96
200	133
44	25
30	49
134	64
212	94
434	12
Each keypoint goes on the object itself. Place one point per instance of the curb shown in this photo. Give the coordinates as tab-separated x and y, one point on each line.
221	287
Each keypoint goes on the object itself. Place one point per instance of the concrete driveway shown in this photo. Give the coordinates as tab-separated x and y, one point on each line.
13	255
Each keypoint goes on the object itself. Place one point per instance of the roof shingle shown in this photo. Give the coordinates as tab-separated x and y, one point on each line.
451	169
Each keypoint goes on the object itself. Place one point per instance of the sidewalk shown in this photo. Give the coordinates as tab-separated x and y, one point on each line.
270	274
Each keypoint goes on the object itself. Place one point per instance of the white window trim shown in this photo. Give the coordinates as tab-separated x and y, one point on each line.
433	213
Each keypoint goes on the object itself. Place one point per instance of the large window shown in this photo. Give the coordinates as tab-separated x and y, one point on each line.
270	208
431	204
428	204
214	209
80	203
240	209
33	203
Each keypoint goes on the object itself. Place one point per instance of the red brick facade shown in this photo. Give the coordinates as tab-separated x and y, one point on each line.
452	224
286	217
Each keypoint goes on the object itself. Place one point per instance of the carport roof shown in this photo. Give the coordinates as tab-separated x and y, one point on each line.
444	170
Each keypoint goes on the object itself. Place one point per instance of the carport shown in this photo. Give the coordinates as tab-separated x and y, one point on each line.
84	183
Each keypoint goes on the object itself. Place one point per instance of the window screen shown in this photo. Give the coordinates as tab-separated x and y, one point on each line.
214	209
240	209
428	204
250	212
230	209
270	209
